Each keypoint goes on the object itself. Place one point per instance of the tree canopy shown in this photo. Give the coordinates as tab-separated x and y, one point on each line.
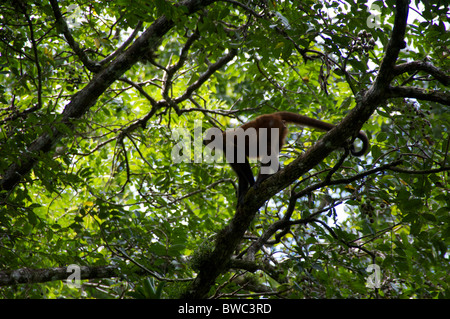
103	176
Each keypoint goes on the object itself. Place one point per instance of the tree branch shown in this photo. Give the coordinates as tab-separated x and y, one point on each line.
350	245
423	66
36	61
170	71
28	275
205	76
183	57
395	44
140	89
419	172
418	93
246	8
64	28
123	46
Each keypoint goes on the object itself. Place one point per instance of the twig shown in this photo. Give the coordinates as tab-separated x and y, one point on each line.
247	8
140	89
124	45
335	236
222	180
23	8
63	27
121	252
205	76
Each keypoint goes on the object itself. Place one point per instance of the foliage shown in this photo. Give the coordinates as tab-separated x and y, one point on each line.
107	191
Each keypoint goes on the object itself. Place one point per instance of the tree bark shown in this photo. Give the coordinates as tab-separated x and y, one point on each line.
29	275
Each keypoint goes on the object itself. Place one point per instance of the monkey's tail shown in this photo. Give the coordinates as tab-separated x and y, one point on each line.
324	126
305	120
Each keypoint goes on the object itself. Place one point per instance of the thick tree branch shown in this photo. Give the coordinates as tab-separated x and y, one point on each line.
28	275
395	44
427	67
418	93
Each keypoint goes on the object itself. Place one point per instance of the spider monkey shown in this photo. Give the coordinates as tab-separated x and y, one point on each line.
249	141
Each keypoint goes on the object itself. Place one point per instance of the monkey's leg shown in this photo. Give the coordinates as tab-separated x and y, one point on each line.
245	178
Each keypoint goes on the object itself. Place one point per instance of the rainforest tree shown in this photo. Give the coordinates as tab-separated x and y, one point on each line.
99	99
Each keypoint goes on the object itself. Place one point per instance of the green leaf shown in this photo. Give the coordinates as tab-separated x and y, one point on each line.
381	137
32	218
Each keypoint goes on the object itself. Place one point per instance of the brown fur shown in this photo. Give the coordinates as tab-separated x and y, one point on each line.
275	120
